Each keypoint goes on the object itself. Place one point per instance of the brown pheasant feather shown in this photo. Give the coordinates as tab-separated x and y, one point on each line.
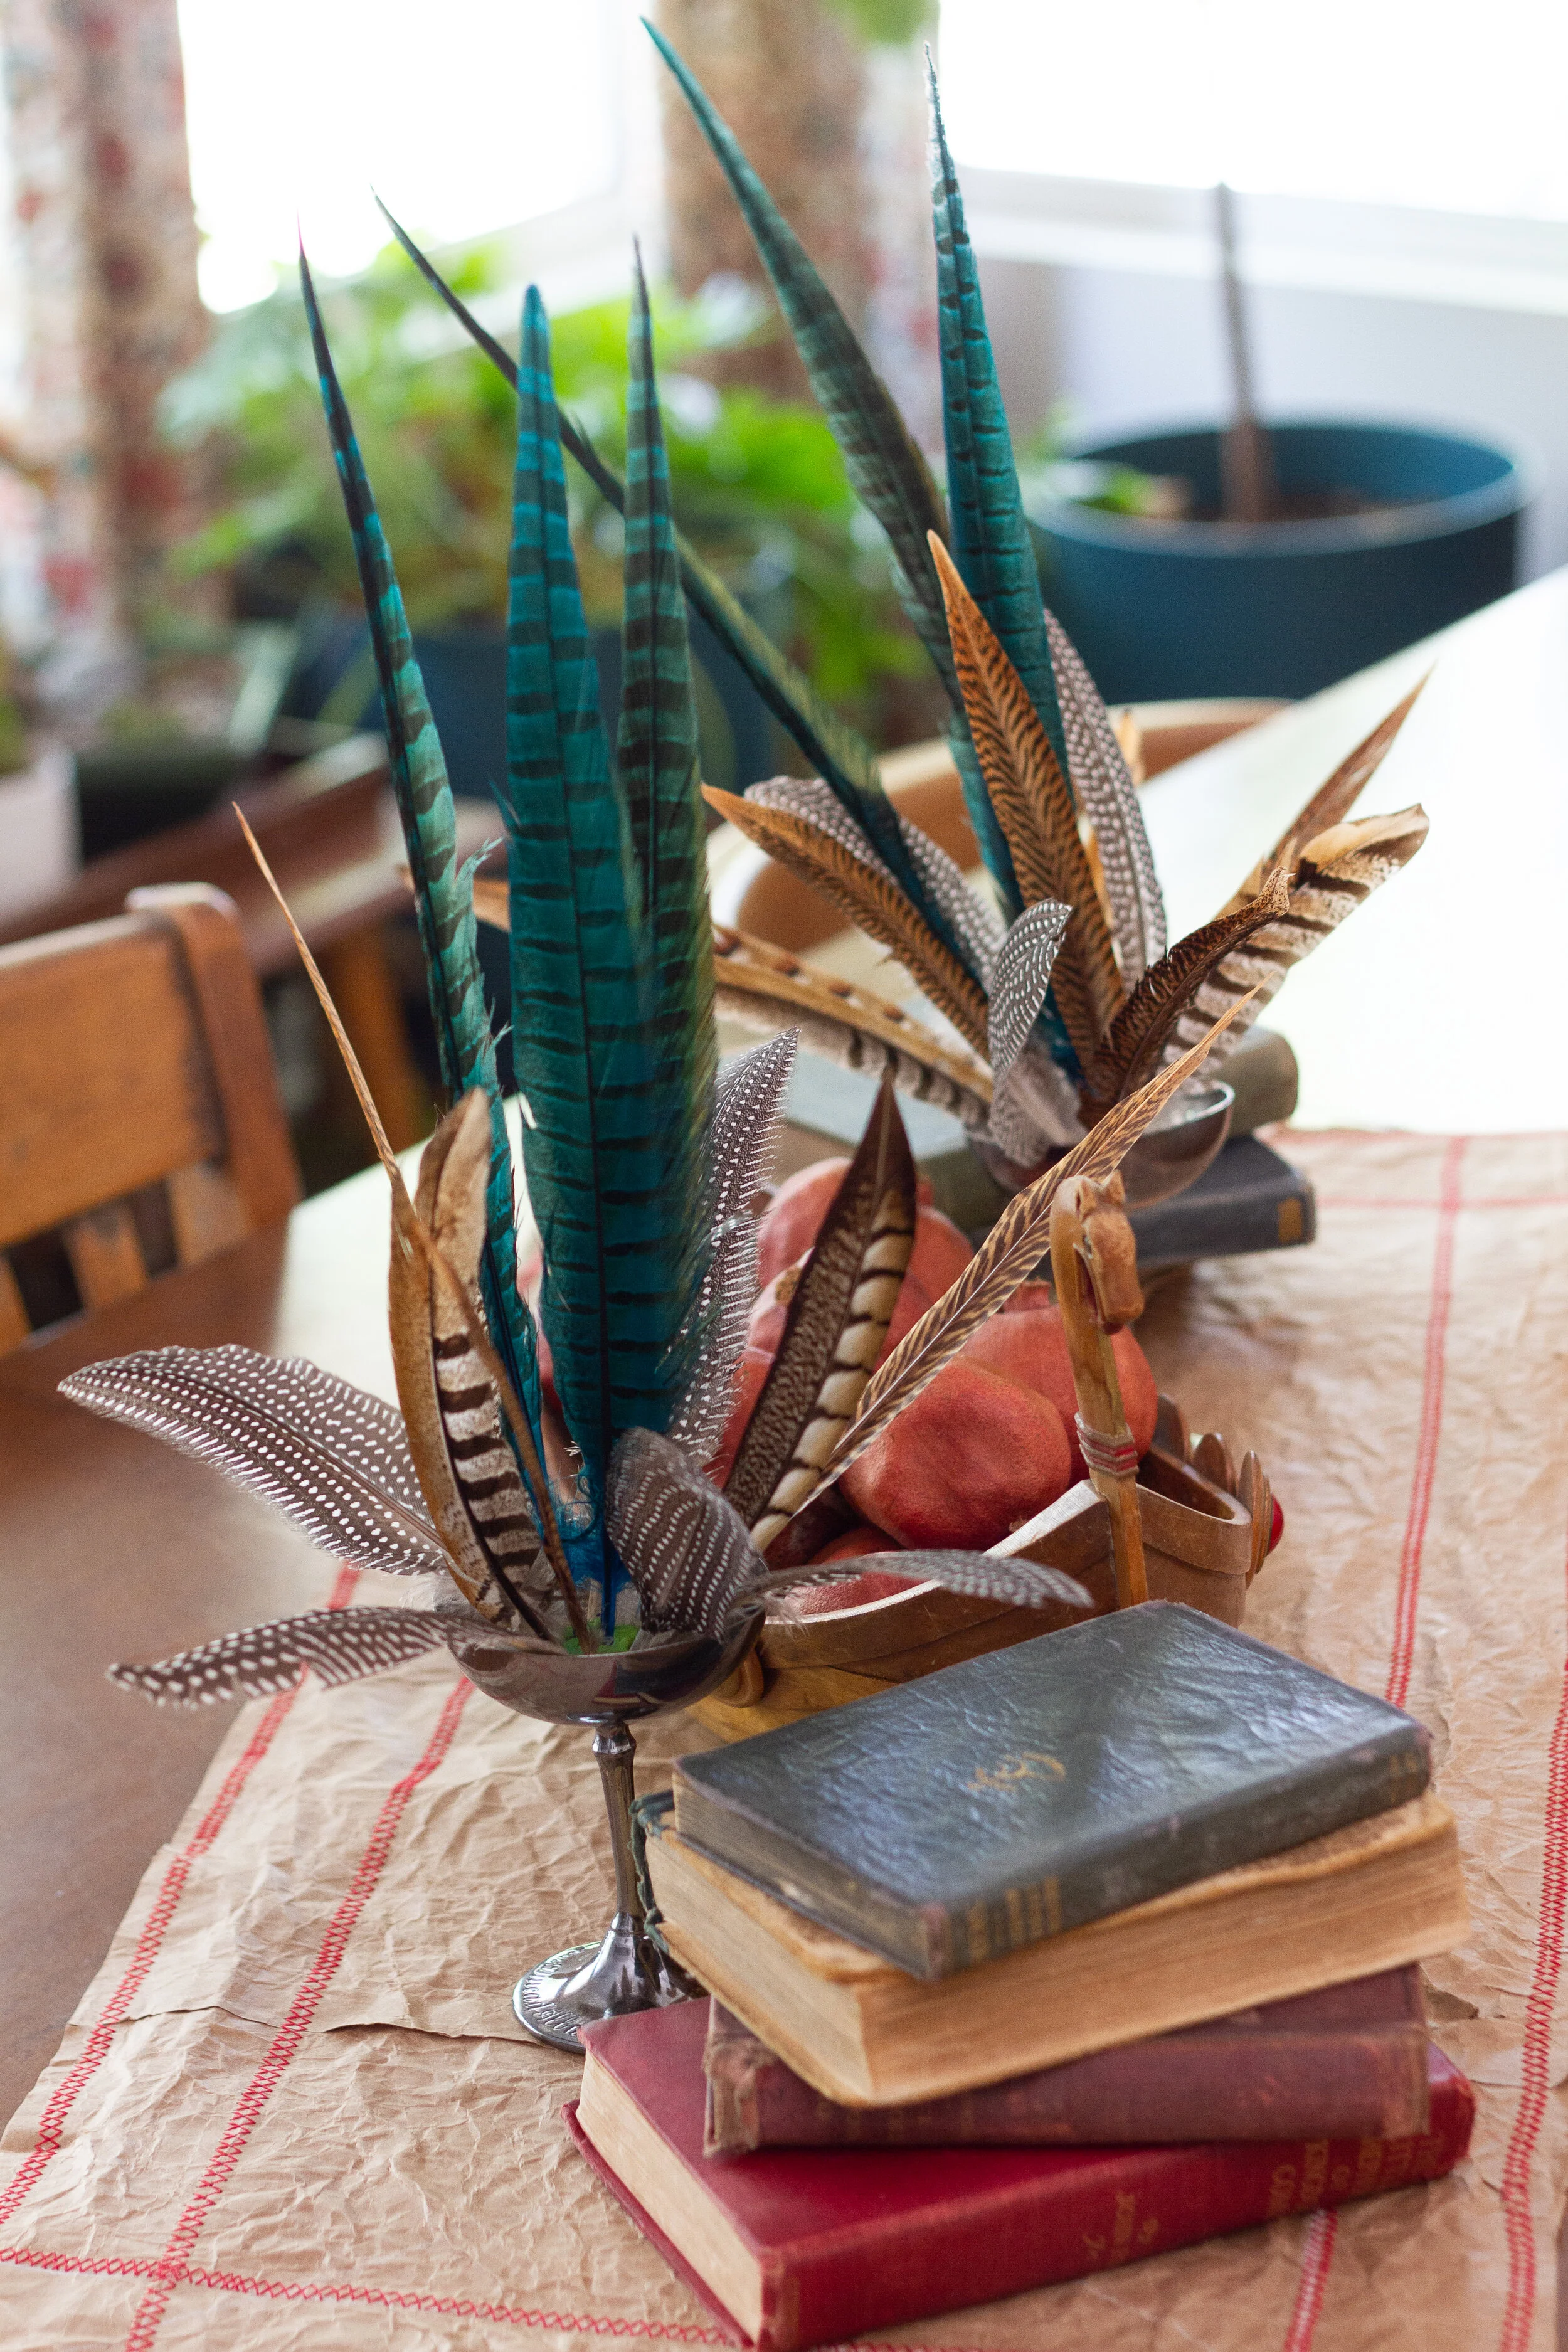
1339	870
869	899
1331	801
838	1319
1008	1256
420	1266
1035	809
1140	1029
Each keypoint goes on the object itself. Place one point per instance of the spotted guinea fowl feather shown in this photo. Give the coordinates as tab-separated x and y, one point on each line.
335	1461
1007	1256
1022	975
1137	1035
1332	801
685	1548
742	1137
978	1575
341	1644
868	898
1356	858
1108	797
837	1321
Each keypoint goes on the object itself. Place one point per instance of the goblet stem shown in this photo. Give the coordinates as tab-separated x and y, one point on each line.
615	1749
626	1970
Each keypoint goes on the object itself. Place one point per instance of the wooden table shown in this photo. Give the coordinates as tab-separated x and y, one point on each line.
110	1547
1437	1007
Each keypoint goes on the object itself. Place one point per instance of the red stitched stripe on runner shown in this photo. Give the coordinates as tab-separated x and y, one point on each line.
1408	1593
1316	2255
1319	2251
292	2033
441	2306
1520	2309
52	2123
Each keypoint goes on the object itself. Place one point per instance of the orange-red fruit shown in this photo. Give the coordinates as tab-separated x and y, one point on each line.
941	1252
750	1373
795	1218
854	1543
972	1458
1031	1348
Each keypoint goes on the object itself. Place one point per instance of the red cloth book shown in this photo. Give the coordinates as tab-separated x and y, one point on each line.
798	2247
1346	2063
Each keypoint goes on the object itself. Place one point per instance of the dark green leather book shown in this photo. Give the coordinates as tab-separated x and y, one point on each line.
1000	1801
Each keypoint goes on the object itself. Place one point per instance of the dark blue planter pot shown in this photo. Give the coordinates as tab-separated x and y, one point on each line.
1161	610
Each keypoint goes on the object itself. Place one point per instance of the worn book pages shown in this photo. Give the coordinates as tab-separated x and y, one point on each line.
293	2112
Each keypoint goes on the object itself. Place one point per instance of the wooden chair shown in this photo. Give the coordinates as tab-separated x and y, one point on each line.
140	1116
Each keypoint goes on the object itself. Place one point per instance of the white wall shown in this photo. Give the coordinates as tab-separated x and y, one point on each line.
1129	349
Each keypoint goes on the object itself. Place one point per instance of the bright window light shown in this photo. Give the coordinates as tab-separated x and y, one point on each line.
467	116
1423	103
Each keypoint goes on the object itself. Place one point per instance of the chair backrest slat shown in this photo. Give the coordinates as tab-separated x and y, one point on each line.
134	1054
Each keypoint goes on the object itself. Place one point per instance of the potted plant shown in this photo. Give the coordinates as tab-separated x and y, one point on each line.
1253	559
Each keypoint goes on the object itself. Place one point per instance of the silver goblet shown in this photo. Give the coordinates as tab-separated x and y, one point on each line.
610	1690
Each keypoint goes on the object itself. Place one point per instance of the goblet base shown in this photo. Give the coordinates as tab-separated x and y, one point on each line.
573	1988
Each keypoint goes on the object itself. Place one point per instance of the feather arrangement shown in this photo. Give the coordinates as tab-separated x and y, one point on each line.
578	1513
643	1169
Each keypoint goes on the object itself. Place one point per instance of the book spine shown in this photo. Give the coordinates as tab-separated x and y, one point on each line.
1088	2217
1248	2086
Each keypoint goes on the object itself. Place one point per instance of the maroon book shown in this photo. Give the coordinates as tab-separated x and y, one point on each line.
799	2247
1347	2063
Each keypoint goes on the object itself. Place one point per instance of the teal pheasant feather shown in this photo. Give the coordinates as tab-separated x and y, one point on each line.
612	1025
657	760
443	896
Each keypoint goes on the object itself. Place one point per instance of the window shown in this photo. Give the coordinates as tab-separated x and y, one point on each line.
467	116
1409	102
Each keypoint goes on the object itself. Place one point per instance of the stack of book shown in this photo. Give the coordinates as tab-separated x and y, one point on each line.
1070	1955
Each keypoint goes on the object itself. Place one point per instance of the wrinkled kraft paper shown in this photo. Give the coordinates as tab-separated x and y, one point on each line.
294	2109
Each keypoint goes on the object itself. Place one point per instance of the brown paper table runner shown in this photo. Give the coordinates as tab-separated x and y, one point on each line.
293	2108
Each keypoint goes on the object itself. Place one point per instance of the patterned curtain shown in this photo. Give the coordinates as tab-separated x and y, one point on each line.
104	263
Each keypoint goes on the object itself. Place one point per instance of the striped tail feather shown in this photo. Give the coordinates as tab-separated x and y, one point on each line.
657	764
838	1318
443	904
1338	872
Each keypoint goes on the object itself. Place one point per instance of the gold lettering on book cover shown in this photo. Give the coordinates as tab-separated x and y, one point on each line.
1281	2191
1027	1764
1314	2175
1126	2223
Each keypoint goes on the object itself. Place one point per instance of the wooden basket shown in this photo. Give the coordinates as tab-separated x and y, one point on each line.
1202	1545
